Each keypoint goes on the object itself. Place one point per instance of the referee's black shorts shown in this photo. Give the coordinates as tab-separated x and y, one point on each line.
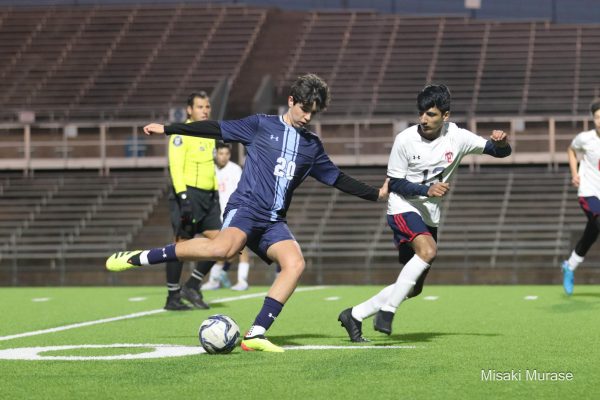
206	209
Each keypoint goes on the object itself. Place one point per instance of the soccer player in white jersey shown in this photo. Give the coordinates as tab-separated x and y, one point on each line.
423	160
228	176
587	182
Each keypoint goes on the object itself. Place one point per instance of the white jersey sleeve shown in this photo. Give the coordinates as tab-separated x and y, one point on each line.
471	143
588	145
398	161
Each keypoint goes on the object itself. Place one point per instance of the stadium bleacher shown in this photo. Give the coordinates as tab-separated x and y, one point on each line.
504	226
133	62
67	222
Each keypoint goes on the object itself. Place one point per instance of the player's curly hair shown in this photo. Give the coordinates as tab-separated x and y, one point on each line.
434	96
310	89
595	106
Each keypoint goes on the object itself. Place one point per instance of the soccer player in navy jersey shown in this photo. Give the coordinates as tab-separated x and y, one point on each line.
281	154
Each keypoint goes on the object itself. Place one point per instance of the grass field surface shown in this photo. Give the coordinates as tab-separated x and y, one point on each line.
450	342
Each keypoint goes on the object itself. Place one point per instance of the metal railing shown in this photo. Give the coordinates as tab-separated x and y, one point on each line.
107	145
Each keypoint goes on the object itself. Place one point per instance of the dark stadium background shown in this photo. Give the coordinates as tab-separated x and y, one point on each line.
79	78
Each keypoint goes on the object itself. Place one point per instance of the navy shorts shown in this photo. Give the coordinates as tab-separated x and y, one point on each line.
261	232
590	206
407	226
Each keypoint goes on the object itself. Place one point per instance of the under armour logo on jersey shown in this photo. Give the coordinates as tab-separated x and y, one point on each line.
449	156
276	138
164	255
271	316
416	157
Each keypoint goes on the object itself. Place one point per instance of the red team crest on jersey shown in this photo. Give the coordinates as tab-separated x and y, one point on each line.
449	156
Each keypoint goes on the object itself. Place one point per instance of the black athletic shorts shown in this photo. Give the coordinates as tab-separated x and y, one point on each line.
206	209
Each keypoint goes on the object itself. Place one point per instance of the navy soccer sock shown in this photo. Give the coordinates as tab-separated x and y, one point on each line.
157	255
265	318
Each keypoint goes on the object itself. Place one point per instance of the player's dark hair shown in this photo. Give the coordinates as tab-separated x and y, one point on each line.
595	106
223	145
434	96
309	89
201	94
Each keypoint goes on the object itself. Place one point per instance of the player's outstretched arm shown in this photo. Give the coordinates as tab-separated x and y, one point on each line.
348	184
498	146
205	129
154	128
573	166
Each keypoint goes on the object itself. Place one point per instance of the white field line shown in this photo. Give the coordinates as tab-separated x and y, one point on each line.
158	351
138	314
325	347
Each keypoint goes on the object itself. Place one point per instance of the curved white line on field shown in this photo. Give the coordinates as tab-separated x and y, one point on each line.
159	351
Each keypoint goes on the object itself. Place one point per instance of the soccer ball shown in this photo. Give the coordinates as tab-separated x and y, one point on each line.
218	334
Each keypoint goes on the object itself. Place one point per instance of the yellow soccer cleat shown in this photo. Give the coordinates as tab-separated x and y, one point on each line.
260	343
120	261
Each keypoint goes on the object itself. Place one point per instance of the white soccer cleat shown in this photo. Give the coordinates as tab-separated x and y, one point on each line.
240	286
211	285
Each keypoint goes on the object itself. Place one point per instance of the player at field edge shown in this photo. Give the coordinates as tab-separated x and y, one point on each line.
587	181
423	160
281	154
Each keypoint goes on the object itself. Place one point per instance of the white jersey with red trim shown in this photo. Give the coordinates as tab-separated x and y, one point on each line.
587	143
227	179
426	162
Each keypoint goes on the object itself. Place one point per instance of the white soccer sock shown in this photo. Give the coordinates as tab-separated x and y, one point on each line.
215	272
574	261
372	305
255	330
242	273
405	282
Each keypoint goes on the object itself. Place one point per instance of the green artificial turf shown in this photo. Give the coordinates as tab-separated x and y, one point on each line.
446	344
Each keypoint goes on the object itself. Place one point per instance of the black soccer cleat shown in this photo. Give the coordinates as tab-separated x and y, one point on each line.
194	297
353	327
382	321
174	303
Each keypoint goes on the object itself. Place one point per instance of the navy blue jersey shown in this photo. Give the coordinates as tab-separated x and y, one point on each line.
279	158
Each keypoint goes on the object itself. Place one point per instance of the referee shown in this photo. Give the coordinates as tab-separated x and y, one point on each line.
193	202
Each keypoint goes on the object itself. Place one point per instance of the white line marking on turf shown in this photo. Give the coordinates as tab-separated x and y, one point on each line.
332	298
81	324
319	347
40	299
432	298
134	299
531	297
158	351
139	314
